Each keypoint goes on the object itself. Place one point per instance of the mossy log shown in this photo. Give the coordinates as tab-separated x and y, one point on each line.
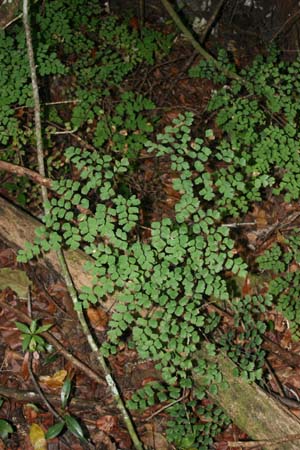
258	414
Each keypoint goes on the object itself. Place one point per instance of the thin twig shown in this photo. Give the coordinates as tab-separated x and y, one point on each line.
212	20
275	378
163	408
263	442
238	224
21	171
61	102
290	358
12	21
40	392
35	383
286	401
32	376
65	270
289	21
75	136
36	98
66	131
32	397
200	49
142	14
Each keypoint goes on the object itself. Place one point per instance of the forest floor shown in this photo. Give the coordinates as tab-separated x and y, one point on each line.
170	88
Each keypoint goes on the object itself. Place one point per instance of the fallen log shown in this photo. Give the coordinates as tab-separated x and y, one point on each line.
17	227
269	423
262	417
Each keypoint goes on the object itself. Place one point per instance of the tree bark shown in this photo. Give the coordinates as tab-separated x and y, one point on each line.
251	409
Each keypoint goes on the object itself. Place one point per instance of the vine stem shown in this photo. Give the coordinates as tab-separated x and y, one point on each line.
65	271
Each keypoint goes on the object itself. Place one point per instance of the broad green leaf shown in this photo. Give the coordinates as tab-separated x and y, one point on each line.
55	430
65	392
5	429
44	328
74	427
23	328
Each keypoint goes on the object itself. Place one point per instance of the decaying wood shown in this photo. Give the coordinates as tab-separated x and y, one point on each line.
17	227
254	411
251	409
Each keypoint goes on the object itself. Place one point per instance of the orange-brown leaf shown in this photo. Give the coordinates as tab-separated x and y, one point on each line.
54	381
98	318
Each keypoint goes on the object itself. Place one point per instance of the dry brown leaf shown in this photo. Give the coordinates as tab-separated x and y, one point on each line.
30	412
260	217
53	381
153	439
25	369
148	380
107	423
98	318
101	438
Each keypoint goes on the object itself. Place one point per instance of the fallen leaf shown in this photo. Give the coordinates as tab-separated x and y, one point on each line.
30	412
110	425
98	318
54	381
16	280
153	439
148	380
37	437
101	438
25	369
260	217
247	288
107	423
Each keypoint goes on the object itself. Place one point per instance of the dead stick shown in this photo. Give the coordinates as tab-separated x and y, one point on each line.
36	177
33	397
23	171
36	98
212	20
200	49
264	442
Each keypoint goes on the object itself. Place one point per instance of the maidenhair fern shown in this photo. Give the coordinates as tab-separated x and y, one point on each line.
285	283
163	285
172	287
260	131
86	53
